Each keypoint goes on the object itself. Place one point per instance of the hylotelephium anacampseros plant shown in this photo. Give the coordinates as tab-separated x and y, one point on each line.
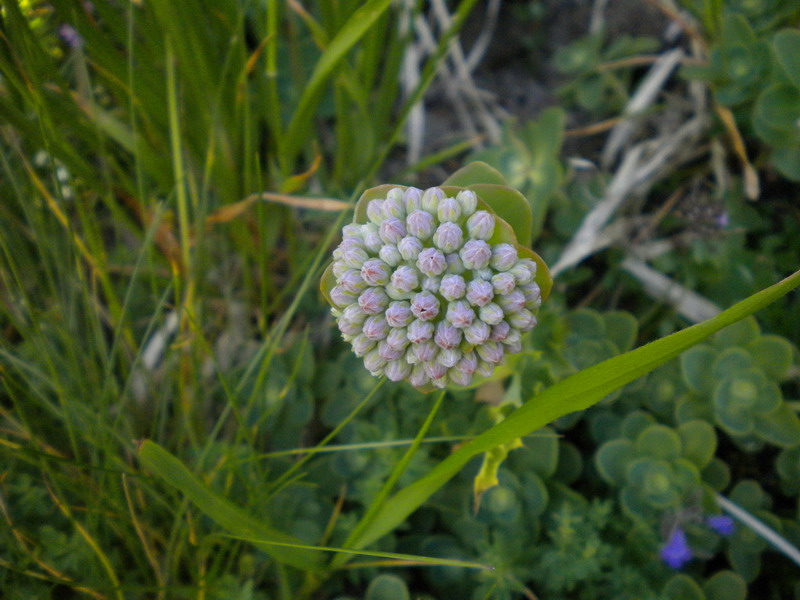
433	286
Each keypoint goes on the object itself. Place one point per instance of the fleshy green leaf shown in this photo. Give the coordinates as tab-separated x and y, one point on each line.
787	50
327	283
221	511
509	205
474	173
380	191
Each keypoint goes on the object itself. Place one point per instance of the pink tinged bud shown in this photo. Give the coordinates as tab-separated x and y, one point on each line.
477	333
500	331
431	198
421	224
373	300
491	314
426	351
475	254
448	357
352	231
394	206
468	201
468	363
449	210
503	283
432	284
452	287
339	267
396	294
390	255
431	262
513	337
440	383
352	281
454	264
375	212
362	344
375	272
409	247
348	328
479	292
459	377
374	362
448	237
397	338
485	274
533	296
511	302
418	376
376	328
341	297
485	369
399	314
392	230
513	348
420	331
425	306
504	256
460	315
521	273
435	370
523	320
388	353
447	336
413	199
397	370
491	352
405	278
354	313
372	240
480	226
354	257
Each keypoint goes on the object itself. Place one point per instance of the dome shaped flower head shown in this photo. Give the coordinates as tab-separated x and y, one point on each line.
431	286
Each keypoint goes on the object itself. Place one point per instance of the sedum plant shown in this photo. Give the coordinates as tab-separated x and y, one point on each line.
434	287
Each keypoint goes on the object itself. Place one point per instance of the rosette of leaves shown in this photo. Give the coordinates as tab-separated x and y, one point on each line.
722	585
736	382
437	287
659	467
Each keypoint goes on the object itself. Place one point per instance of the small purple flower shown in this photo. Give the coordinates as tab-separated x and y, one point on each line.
375	272
468	201
477	333
723	220
409	247
397	370
475	254
722	524
447	336
491	314
375	212
431	198
405	278
421	224
452	287
390	255
392	230
372	300
479	292
425	306
448	237
431	262
480	226
449	210
420	331
676	552
70	36
460	314
503	283
413	199
398	314
376	328
504	256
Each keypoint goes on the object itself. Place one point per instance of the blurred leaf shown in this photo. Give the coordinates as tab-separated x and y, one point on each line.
510	205
725	585
474	173
787	50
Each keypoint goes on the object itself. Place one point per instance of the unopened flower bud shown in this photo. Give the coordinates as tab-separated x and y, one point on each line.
459	377
373	300
513	337
477	333
387	352
431	198
504	256
425	306
479	292
348	328
491	314
352	281
375	212
500	331
512	348
394	206
523	320
480	226
431	284
362	344
399	314
409	247
533	296
491	352
392	230
485	369
376	328
390	255
374	362
372	239
468	363
446	335
405	278
452	287
435	370
503	283
420	331
397	370
475	254
511	302
354	257
449	210
448	237
468	201
460	314
395	294
421	224
521	273
352	231
431	262
341	297
339	268
418	377
375	272
413	199
397	338
426	351
448	357
454	263
354	313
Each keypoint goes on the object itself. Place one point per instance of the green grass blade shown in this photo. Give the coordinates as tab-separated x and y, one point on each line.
165	465
574	393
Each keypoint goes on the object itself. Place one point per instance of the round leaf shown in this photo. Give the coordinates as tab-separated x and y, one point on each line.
474	173
725	585
658	441
698	441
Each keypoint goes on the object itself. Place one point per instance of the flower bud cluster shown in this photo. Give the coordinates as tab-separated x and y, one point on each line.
423	295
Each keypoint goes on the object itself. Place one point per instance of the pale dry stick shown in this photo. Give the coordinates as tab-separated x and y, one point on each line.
645	95
409	80
478	50
597	20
